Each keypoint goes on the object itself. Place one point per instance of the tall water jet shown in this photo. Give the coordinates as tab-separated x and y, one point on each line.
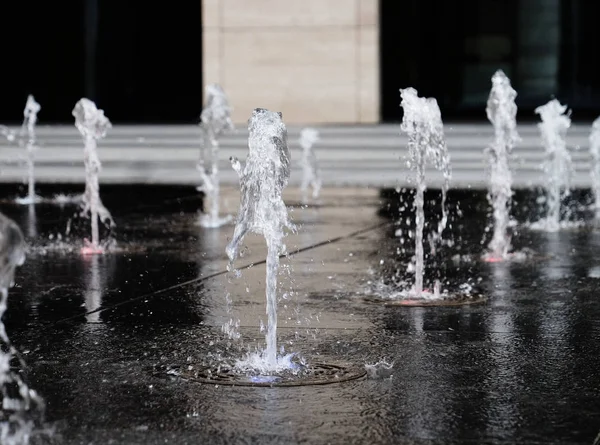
310	166
32	108
595	170
422	122
557	166
502	113
215	120
93	125
21	408
262	210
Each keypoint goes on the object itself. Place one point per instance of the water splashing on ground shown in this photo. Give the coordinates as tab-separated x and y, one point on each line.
380	370
262	211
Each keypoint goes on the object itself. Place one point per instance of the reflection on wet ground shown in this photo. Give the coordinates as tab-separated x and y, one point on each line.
97	330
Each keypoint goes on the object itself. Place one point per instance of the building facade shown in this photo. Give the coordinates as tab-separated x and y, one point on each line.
316	61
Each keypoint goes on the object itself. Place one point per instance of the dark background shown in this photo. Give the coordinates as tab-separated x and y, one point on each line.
141	61
449	49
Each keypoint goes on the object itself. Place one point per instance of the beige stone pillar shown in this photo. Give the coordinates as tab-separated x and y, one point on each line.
316	61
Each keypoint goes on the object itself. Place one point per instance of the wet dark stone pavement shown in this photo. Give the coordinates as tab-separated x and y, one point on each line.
99	332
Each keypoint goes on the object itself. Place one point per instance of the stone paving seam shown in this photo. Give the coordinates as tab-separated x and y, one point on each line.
223	272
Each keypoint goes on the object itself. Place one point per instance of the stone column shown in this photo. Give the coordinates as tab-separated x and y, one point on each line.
316	61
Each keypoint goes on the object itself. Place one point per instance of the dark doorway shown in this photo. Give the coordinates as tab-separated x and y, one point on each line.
445	49
580	56
149	63
140	61
450	49
43	56
421	47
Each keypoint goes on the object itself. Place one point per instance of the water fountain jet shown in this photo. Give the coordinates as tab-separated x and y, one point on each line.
423	125
557	166
215	120
422	122
93	125
310	167
502	113
30	112
262	210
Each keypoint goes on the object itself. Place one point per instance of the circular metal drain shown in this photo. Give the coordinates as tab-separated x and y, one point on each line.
315	374
452	300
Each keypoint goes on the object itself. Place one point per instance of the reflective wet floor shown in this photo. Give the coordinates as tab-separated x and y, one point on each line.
100	333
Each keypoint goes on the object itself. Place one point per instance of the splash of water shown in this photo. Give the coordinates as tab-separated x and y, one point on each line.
502	113
7	133
256	363
557	166
422	122
215	120
21	407
310	167
30	112
595	171
379	370
93	125
262	210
